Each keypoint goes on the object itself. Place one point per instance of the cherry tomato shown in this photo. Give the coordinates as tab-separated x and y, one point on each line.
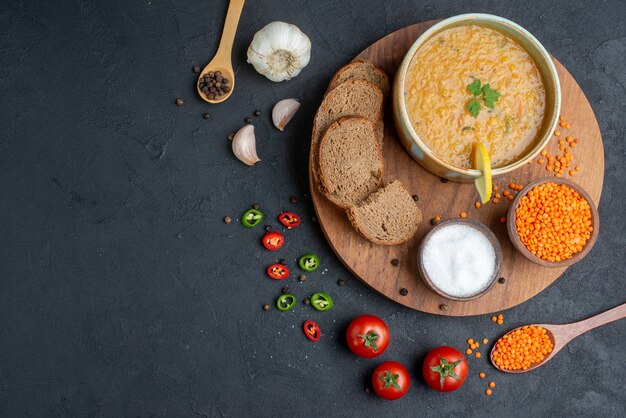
273	240
391	380
311	330
445	369
289	219
367	336
278	271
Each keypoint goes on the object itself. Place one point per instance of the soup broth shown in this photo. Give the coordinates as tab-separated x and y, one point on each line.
437	95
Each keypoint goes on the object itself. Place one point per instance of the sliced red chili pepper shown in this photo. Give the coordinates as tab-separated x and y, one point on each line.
289	219
273	240
311	330
278	271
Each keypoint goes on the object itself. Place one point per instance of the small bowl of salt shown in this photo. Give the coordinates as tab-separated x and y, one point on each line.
460	259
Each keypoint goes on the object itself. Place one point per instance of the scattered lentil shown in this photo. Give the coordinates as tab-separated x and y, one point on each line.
477	205
463	215
481	375
488	392
485	340
492	384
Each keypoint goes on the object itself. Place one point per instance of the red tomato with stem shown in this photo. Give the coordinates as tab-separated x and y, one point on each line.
391	380
367	336
445	369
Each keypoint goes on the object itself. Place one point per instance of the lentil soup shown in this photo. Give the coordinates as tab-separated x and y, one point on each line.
437	95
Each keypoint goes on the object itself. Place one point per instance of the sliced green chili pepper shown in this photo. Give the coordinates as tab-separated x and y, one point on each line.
251	218
285	302
309	262
321	301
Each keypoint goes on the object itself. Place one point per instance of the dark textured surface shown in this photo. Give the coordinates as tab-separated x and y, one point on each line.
122	292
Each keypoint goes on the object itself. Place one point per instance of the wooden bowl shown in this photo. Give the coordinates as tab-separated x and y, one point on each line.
519	245
480	228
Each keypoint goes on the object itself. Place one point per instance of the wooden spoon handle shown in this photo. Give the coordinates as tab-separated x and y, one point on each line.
611	315
230	29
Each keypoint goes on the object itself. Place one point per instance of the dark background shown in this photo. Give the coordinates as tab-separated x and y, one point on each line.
122	291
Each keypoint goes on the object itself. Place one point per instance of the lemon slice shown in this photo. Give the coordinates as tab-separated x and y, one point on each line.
482	162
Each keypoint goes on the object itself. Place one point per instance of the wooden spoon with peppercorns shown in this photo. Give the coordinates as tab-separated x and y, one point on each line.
561	335
217	80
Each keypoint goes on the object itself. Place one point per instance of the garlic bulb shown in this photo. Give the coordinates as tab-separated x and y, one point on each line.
283	112
279	51
244	145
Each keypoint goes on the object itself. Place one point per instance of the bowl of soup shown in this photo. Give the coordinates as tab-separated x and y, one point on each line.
475	78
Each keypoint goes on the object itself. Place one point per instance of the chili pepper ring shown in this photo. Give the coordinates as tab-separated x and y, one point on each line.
286	302
321	301
309	262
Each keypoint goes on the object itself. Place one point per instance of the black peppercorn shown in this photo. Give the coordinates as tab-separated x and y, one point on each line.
268	228
501	280
302	278
205	115
231	136
285	290
404	291
248	119
395	262
228	219
341	282
293	199
443	307
180	101
256	206
444	180
257	112
281	261
196	69
307	301
367	390
266	307
415	197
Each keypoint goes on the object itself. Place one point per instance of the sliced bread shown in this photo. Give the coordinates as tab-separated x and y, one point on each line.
350	161
388	216
352	98
361	70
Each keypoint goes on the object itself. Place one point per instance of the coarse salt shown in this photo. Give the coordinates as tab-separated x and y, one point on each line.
459	260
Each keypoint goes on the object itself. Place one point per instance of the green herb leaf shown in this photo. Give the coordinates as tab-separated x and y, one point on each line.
490	96
475	88
473	106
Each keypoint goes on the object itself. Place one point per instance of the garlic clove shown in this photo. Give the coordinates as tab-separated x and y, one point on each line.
244	145
283	112
279	51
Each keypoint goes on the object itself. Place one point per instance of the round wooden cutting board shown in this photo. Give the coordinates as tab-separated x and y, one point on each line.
523	279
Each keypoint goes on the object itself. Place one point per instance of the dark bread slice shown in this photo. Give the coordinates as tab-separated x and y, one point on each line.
350	161
388	216
352	98
361	70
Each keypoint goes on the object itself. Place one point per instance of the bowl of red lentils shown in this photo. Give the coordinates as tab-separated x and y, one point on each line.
553	222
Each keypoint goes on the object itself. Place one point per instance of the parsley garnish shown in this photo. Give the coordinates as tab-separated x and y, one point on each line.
490	97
